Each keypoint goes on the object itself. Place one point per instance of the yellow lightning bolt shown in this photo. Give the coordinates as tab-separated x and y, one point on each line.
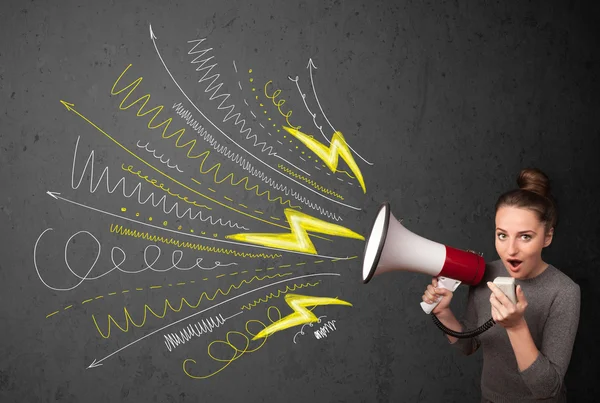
301	315
329	155
298	240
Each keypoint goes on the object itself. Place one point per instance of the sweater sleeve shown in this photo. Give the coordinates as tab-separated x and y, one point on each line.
544	377
469	345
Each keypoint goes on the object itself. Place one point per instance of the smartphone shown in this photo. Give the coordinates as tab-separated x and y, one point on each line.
508	287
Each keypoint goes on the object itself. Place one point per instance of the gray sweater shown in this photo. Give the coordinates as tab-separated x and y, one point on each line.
552	316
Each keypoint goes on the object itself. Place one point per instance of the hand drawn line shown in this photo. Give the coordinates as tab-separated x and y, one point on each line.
310	181
325	329
167	306
237	122
312	66
173	340
137	189
236	352
57	196
176	258
151	288
143	100
153	152
301	332
245	164
70	108
121	230
279	294
97	363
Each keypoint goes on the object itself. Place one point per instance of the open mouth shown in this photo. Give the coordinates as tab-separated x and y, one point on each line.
514	263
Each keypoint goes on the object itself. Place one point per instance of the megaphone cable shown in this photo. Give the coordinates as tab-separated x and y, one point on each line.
463	335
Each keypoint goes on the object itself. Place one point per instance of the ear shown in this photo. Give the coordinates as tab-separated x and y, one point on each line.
548	237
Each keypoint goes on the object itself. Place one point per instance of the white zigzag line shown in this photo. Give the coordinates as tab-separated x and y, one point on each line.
245	164
137	190
214	87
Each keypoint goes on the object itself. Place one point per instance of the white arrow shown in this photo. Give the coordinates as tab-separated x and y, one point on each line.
55	195
153	37
310	66
97	363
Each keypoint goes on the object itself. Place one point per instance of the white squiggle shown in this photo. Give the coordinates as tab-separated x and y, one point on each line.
153	152
261	125
325	329
138	190
153	37
176	257
172	340
244	163
213	87
309	324
311	113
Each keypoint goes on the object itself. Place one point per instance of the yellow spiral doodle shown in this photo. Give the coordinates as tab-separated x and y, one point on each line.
121	230
279	293
309	181
167	306
236	351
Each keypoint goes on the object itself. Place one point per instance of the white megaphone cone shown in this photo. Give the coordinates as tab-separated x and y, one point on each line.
391	247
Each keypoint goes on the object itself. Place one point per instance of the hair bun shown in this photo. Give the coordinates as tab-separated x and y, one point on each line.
534	180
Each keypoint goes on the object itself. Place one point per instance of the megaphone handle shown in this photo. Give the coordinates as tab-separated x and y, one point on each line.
443	282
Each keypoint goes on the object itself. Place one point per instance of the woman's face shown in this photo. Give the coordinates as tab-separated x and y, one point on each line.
520	238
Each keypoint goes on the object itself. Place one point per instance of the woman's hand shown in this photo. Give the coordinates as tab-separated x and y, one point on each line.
433	293
504	312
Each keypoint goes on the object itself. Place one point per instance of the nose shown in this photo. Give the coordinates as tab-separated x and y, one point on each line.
512	249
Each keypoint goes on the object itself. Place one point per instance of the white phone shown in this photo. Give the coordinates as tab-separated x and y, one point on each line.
508	287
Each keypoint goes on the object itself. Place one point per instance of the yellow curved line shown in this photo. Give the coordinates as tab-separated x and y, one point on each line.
309	181
167	305
237	352
341	170
279	293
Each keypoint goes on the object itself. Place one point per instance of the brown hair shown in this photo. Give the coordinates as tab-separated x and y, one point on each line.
533	194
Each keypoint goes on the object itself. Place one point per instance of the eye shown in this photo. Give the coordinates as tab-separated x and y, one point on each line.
501	235
526	237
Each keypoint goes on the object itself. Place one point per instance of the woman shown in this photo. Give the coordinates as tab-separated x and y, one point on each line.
527	352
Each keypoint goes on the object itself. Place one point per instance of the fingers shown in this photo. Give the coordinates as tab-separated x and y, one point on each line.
433	294
498	293
430	296
521	296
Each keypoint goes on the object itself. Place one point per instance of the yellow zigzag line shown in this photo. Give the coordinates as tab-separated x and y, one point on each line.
180	133
279	293
309	181
119	229
129	319
231	177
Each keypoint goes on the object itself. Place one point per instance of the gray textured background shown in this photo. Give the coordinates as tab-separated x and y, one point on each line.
448	99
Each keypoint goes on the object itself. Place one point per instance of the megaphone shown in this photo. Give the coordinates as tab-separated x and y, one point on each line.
392	247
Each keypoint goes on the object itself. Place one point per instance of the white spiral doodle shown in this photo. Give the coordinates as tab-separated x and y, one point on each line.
176	258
